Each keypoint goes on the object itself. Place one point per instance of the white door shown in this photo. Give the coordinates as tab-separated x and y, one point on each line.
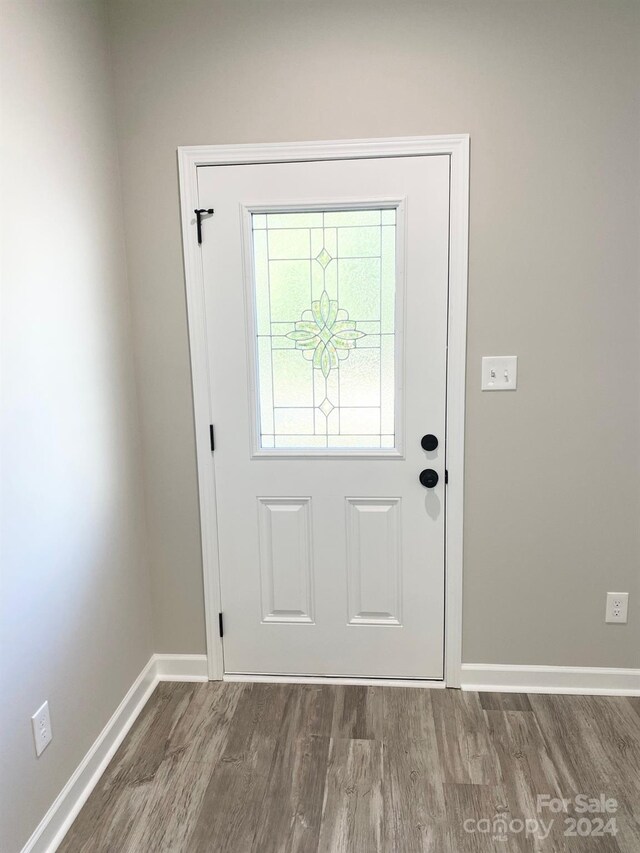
326	301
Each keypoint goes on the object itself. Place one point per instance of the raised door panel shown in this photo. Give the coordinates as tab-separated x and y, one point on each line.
285	559
374	561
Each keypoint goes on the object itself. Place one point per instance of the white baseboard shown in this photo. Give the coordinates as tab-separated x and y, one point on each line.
56	822
509	678
181	667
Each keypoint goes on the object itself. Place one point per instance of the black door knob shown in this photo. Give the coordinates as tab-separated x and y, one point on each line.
429	478
429	442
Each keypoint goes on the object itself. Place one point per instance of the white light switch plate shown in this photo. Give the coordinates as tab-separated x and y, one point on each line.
499	372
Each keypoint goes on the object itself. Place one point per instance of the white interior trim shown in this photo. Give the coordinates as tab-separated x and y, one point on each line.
55	824
456	383
457	147
509	678
181	667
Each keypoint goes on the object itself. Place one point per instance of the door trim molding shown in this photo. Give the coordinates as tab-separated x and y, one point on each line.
457	148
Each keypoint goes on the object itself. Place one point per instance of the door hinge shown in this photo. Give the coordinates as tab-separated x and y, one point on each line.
200	212
220	625
212	440
446	476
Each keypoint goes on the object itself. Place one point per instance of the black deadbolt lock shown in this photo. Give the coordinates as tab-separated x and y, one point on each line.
429	442
429	478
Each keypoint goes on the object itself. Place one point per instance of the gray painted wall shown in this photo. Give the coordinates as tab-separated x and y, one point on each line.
549	93
76	616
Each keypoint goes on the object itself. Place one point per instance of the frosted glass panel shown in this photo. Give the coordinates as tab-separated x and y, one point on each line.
325	295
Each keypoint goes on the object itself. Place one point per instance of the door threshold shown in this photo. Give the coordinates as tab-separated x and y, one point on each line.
380	681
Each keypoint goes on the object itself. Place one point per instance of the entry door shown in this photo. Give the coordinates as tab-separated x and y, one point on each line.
326	302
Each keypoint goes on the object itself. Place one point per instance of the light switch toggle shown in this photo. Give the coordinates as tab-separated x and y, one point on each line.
499	372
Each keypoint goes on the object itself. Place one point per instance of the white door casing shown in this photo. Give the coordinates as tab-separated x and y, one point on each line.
375	514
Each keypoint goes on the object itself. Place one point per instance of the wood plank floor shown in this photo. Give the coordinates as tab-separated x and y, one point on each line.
261	767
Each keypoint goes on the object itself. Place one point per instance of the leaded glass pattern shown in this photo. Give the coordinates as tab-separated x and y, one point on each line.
325	293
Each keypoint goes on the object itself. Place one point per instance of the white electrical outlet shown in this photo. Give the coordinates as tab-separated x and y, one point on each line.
617	606
41	722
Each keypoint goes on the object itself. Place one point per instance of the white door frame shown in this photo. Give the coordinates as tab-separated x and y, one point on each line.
457	148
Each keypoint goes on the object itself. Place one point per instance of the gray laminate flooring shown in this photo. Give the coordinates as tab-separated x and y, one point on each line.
261	767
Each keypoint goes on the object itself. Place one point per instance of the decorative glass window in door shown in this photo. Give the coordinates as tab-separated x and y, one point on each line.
325	294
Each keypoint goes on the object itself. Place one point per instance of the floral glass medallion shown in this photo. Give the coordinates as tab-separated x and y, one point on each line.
325	285
326	332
